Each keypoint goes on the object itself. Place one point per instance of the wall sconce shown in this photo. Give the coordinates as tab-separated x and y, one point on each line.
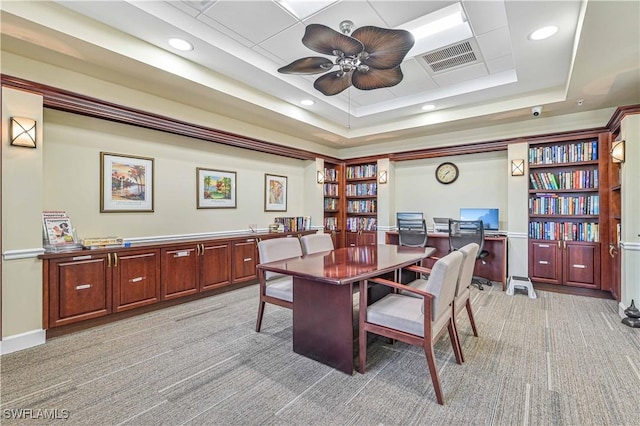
383	177
617	152
320	176
23	132
517	167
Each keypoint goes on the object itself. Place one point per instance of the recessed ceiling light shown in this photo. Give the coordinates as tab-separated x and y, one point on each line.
307	102
428	107
180	44
544	32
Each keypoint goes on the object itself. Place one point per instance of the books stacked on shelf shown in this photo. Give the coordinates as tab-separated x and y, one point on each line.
366	171
331	204
331	190
331	175
571	153
361	224
361	206
578	179
361	189
95	243
294	224
331	223
565	231
564	205
58	233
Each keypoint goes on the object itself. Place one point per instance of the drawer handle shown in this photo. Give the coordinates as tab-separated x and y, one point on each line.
81	257
543	262
580	266
250	240
543	245
182	254
83	286
137	279
248	259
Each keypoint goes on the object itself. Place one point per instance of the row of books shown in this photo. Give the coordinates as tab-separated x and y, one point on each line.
364	171
361	206
331	190
571	153
331	204
360	189
561	205
565	231
331	175
361	224
331	223
294	224
578	179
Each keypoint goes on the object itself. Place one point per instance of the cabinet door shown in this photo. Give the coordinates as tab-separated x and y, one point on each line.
215	265
136	279
367	239
544	262
582	264
179	271
80	289
351	239
244	260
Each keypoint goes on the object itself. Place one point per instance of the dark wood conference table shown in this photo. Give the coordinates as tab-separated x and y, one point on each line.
323	285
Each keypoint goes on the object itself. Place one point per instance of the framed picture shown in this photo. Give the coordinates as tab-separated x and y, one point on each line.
275	193
216	189
126	183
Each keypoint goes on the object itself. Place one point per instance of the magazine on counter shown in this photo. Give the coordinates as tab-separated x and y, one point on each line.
57	228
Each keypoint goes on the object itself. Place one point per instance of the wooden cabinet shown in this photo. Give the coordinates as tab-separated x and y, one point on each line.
567	182
565	262
136	279
361	196
245	259
215	265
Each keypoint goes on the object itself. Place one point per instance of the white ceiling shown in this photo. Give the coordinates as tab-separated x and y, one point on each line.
239	45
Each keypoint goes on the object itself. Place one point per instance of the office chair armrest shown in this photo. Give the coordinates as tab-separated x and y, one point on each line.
418	269
399	286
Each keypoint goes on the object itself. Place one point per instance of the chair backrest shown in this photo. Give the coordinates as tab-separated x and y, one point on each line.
443	281
412	232
314	243
469	252
463	232
275	249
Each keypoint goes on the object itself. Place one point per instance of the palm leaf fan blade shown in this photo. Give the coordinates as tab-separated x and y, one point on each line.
376	79
311	65
333	83
386	48
323	39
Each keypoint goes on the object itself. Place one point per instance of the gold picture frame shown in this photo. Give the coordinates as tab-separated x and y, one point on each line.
126	183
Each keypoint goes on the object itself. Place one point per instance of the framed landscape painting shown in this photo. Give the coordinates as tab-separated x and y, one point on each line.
126	183
275	193
216	189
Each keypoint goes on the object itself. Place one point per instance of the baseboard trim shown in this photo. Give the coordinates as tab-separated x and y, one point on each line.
22	341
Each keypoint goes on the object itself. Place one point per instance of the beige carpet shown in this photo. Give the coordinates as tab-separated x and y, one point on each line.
555	360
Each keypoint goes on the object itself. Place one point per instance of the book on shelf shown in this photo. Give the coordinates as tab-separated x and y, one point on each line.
94	243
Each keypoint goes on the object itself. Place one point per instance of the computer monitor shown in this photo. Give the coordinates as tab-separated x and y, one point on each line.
408	216
489	217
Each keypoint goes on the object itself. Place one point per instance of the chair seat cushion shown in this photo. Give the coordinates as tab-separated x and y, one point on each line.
398	312
280	288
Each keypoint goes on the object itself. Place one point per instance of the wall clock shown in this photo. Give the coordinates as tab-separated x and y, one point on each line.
447	173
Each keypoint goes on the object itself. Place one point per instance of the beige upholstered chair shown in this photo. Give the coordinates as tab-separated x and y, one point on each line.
314	243
414	320
463	292
276	288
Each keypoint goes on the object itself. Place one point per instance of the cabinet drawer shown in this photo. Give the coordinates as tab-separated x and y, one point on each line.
136	280
244	260
179	272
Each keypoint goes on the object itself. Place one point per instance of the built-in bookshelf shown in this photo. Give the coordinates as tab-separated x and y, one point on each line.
565	212
361	194
333	201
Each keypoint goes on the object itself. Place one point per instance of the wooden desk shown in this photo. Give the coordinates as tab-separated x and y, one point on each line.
495	268
323	296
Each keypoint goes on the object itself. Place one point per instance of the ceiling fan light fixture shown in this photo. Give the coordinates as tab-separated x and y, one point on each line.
180	44
543	33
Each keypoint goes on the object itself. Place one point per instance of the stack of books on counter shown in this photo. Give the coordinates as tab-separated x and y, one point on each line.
95	243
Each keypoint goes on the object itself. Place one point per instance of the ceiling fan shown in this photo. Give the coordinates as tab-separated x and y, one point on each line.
367	59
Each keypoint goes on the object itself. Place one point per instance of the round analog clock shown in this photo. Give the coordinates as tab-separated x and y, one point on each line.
447	173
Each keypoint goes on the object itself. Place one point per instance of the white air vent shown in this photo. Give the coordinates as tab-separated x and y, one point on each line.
451	57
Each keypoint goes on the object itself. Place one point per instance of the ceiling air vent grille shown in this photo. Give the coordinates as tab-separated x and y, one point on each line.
450	57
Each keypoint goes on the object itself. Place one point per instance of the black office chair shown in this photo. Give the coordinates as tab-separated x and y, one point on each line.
412	232
463	232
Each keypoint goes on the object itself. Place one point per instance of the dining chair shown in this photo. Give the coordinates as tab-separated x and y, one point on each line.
314	243
463	292
275	288
418	321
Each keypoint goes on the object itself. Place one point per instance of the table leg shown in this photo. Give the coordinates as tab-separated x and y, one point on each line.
323	323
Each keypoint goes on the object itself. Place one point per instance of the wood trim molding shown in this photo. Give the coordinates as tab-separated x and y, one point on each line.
76	103
616	119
